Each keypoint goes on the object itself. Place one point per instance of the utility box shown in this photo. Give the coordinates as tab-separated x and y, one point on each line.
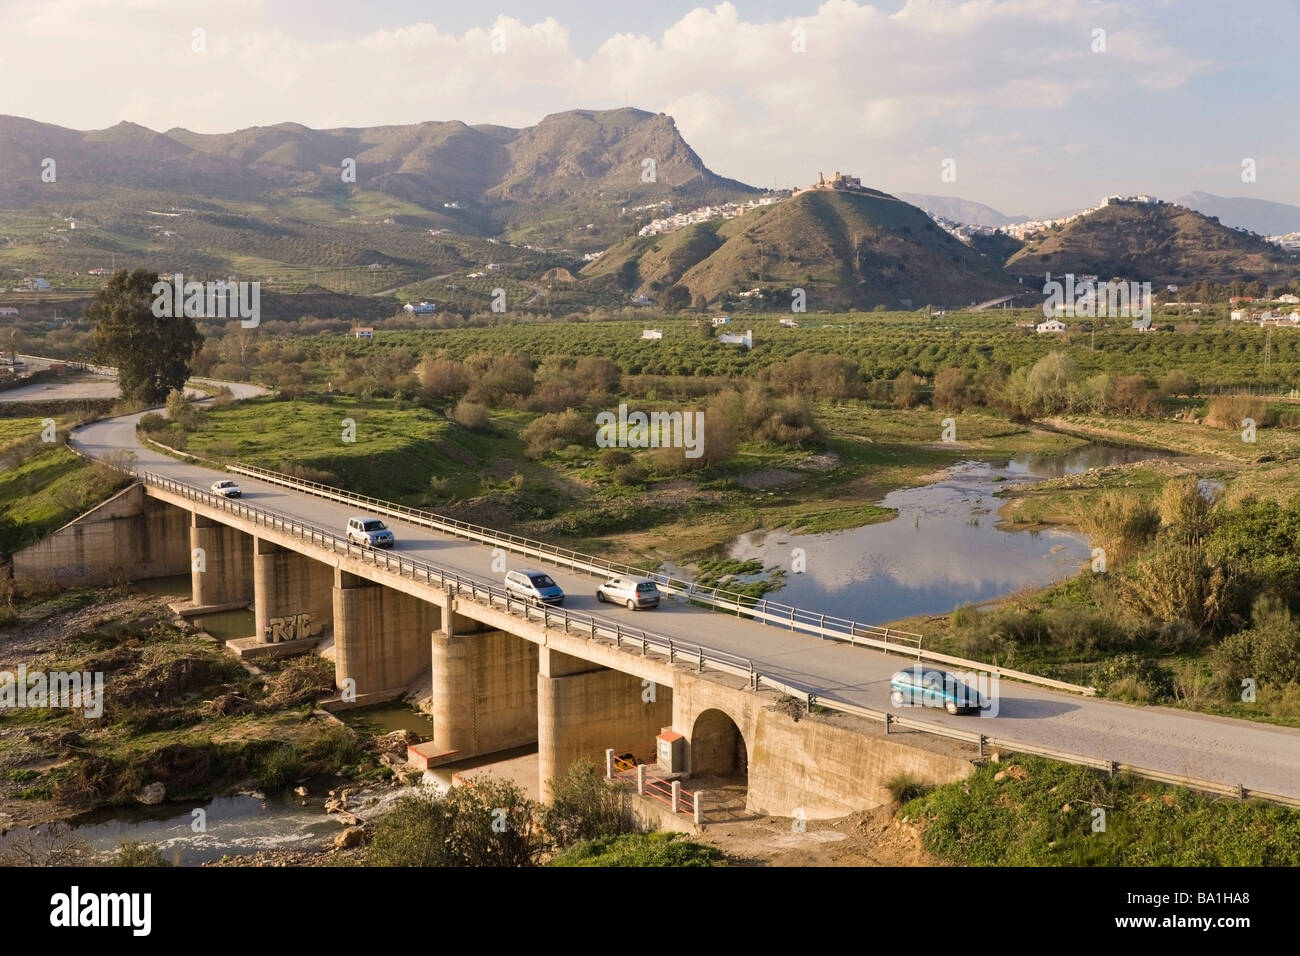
671	751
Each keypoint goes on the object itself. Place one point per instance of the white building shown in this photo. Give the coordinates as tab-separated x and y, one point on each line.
642	300
789	322
1051	325
1239	315
8	313
747	340
652	333
420	308
363	333
720	320
1289	299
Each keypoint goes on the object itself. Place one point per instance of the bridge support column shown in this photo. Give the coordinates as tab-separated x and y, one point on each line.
221	569
582	709
484	691
381	636
293	595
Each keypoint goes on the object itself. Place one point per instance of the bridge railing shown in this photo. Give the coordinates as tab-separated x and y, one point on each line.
674	650
775	613
621	635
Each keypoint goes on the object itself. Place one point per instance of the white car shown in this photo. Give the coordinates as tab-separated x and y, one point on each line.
369	533
633	592
226	488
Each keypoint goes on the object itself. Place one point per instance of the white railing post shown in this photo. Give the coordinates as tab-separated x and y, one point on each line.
677	796
699	811
609	764
640	779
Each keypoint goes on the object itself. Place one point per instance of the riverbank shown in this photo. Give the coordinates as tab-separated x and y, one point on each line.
183	721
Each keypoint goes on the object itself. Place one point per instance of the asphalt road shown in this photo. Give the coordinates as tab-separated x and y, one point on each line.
1258	756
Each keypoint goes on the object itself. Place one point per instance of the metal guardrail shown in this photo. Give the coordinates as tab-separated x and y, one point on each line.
676	651
827	627
461	585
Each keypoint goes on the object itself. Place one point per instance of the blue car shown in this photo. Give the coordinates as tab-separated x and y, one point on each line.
924	686
535	586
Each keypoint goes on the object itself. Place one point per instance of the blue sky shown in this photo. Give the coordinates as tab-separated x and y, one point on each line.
1014	92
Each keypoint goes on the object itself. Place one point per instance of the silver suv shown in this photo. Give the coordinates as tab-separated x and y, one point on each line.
369	533
633	592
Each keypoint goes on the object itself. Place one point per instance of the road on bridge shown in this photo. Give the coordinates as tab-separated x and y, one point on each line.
1232	752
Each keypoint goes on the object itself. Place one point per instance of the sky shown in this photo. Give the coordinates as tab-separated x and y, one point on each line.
1030	106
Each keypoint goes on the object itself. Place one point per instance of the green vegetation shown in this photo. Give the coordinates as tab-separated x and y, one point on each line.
1034	812
177	710
641	849
134	853
152	354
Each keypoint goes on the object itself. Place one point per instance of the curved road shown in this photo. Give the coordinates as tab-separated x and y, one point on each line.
1257	756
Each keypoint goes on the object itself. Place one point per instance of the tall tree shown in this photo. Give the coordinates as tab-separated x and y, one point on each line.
152	354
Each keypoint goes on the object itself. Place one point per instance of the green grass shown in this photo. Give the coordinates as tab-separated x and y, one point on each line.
1047	819
641	849
46	491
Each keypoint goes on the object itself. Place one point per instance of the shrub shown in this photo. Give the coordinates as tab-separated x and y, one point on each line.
549	432
1227	411
151	423
585	806
280	767
471	415
134	853
611	458
1121	524
629	474
487	822
904	786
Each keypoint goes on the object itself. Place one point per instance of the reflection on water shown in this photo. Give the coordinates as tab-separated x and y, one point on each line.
227	625
174	585
944	549
385	718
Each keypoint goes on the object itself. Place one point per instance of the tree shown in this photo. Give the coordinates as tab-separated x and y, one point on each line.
676	298
152	354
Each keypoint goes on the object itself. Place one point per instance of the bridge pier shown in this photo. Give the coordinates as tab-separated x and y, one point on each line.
381	636
582	709
221	569
484	690
286	586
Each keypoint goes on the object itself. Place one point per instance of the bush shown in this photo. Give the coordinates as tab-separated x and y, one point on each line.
585	806
1176	382
280	767
904	786
1227	411
549	432
951	387
471	415
151	423
612	458
629	474
1121	524
487	822
133	853
1131	677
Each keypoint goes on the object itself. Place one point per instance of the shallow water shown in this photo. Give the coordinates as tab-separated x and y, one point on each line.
943	550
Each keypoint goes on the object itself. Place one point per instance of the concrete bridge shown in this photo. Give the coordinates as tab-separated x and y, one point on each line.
585	679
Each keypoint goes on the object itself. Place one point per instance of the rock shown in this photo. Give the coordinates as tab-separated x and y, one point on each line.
300	791
349	819
152	794
348	838
333	806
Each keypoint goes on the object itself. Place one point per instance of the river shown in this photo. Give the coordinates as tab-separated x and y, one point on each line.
944	549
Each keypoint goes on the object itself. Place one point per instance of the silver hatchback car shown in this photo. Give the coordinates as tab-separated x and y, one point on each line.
633	592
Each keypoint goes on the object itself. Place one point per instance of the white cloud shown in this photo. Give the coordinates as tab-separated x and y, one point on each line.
873	91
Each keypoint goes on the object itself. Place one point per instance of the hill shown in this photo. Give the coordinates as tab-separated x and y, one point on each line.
1257	215
846	249
1158	243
